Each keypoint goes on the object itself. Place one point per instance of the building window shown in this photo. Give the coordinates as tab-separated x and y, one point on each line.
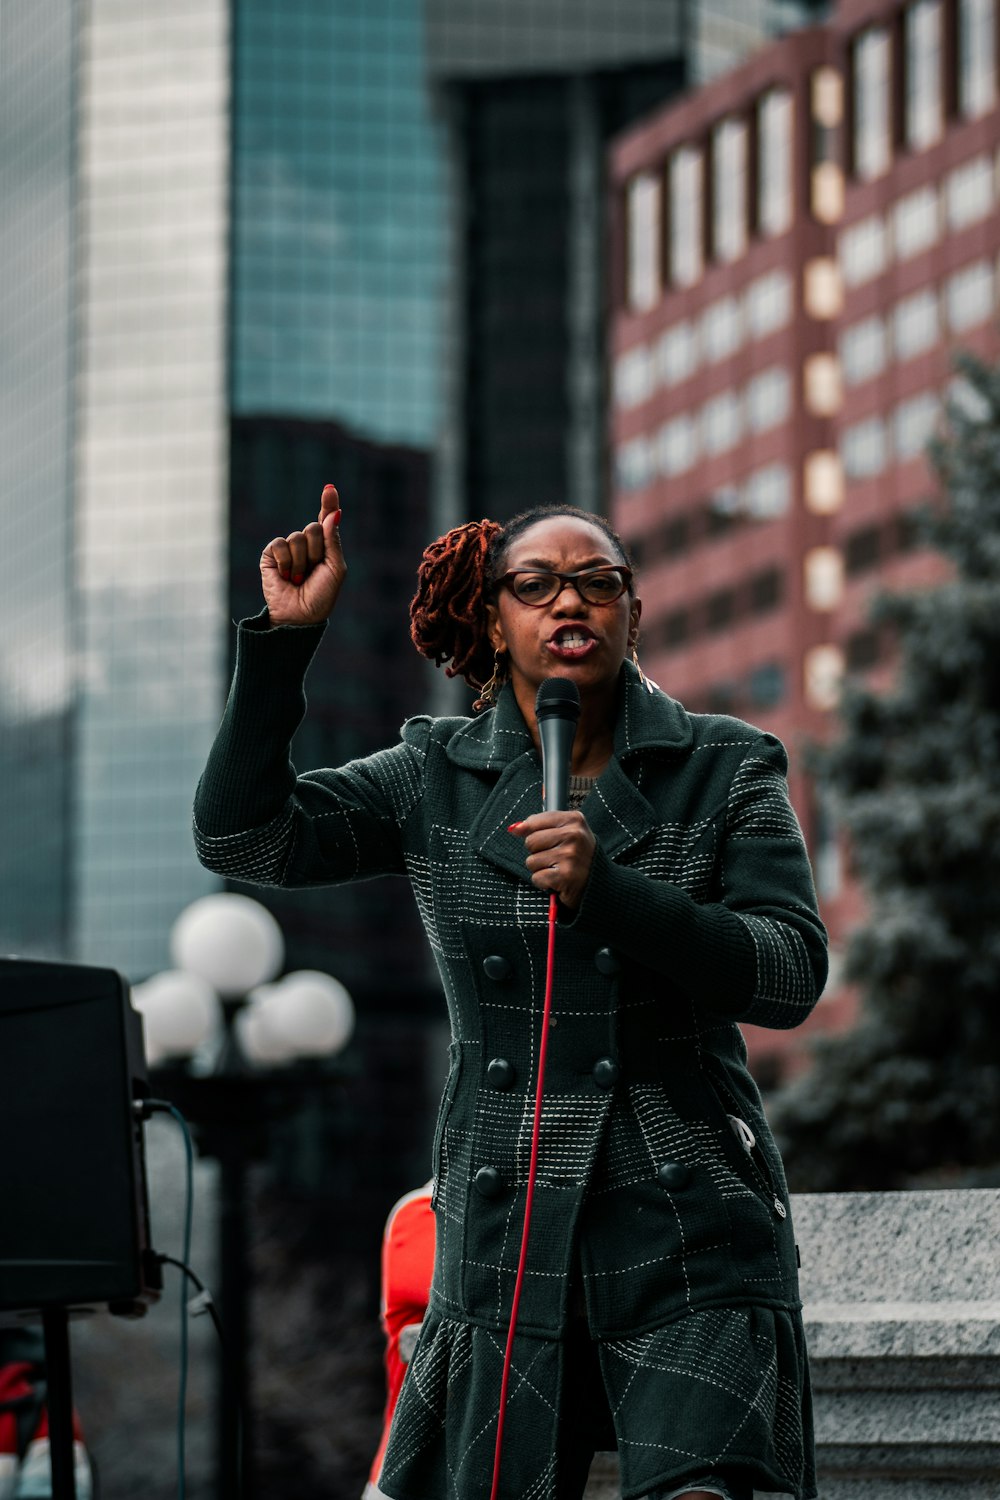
872	113
644	210
822	288
767	493
768	399
863	350
634	377
922	73
720	610
675	536
766	685
634	464
767	304
915	324
976	56
823	479
721	423
822	385
824	577
729	190
775	138
721	329
767	589
968	192
863	550
826	177
686	179
913	424
675	630
915	222
862	251
823	673
678	353
677	445
969	296
863	448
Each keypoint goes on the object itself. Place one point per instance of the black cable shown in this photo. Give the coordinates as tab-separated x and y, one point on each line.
207	1301
163	1106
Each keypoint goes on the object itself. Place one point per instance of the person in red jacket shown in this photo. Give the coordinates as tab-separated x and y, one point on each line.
25	1466
407	1268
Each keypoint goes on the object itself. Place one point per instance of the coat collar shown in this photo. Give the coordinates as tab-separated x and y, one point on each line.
499	742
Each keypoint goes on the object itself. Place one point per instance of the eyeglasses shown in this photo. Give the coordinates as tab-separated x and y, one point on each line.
594	585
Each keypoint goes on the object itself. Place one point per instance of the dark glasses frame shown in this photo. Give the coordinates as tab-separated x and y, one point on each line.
623	573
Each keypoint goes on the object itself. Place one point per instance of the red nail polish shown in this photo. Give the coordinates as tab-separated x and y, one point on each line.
336	517
512	826
298	577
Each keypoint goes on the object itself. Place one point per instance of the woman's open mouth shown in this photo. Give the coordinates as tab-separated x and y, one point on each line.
572	643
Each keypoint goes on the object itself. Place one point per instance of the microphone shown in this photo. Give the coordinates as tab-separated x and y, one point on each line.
557	709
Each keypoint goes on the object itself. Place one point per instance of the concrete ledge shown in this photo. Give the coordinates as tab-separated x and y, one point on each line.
902	1311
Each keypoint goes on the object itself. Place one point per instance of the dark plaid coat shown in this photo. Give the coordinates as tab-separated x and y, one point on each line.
699	913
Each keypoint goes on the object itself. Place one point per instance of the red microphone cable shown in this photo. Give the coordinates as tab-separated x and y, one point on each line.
529	1193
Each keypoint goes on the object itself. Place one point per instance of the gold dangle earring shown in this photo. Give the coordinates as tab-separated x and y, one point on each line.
488	693
632	640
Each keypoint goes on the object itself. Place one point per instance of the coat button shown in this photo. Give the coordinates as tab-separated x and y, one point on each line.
495	966
606	961
488	1182
673	1175
605	1072
501	1073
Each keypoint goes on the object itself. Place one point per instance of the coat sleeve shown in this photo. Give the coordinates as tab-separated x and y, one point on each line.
758	954
256	819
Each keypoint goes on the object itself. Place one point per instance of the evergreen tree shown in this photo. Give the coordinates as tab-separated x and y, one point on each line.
914	1090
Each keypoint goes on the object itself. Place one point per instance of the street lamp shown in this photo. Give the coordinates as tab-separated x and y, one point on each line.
225	1023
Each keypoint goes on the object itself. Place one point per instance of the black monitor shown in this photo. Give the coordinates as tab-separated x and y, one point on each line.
74	1214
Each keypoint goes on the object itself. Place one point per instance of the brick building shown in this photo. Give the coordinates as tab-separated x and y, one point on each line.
798	249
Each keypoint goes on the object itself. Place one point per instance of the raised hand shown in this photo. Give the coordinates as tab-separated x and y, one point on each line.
302	573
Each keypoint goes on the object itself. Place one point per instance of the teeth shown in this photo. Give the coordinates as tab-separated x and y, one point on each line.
573	638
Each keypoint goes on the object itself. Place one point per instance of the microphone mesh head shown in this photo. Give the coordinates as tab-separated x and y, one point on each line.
559	698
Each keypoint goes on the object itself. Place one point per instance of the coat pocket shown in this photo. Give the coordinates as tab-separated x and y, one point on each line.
743	1138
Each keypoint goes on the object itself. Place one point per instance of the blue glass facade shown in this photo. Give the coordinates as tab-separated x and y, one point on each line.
339	217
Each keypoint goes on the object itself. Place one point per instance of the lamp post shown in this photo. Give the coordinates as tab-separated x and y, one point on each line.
223	1005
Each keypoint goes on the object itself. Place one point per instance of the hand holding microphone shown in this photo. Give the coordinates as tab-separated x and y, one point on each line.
559	844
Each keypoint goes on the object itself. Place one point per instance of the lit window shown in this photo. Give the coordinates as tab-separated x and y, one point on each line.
826	177
977	88
822	384
686	186
768	303
863	448
915	324
822	288
634	377
969	296
863	350
968	192
924	105
678	353
823	674
644	210
721	423
823	479
768	399
872	135
862	250
767	493
721	329
913	424
729	190
634	464
824	577
774	169
677	445
915	222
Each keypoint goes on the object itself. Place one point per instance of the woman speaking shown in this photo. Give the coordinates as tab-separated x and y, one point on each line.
659	1309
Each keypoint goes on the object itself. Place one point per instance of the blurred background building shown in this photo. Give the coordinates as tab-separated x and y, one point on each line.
799	249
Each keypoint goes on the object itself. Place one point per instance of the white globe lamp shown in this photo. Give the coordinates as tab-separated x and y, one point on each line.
230	941
313	1011
179	1012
